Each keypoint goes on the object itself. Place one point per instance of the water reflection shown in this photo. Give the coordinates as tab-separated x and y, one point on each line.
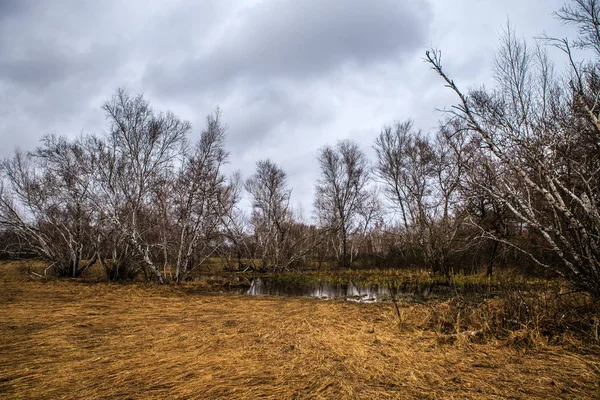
326	290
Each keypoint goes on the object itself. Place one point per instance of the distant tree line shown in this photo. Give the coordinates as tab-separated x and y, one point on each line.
510	178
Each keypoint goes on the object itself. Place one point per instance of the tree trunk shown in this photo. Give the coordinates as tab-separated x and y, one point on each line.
490	265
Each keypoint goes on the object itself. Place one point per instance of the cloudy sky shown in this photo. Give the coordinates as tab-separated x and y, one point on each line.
289	75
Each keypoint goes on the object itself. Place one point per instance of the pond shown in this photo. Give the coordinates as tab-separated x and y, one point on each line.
330	291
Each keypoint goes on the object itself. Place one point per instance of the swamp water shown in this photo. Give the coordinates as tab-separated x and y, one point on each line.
329	291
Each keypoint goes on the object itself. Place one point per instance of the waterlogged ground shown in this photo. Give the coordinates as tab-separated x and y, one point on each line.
325	290
75	339
368	286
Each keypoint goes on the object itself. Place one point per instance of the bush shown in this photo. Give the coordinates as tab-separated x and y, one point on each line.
527	319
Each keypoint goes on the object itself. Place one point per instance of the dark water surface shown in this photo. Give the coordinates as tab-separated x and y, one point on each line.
326	290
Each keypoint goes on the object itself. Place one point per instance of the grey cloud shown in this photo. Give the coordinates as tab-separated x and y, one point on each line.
297	40
42	66
267	64
269	111
10	8
54	60
30	73
289	75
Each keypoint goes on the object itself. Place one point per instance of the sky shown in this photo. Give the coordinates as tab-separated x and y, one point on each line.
289	76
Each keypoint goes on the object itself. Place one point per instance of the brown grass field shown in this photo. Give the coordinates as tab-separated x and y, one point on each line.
62	339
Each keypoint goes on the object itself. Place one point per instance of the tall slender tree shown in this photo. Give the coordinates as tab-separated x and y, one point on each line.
340	191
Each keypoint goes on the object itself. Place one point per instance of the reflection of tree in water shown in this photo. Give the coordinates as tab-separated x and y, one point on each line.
326	290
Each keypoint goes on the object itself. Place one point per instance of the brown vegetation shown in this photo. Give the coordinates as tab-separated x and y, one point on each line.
65	339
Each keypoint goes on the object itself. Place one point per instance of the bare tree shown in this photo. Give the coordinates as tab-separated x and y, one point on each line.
491	219
369	222
271	215
281	240
543	135
405	165
448	209
340	191
234	224
140	150
421	179
116	253
44	201
196	194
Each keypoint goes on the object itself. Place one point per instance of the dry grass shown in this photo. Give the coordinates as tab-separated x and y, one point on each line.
63	339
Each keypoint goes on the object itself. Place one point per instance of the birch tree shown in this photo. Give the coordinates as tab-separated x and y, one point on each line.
281	240
45	201
196	193
421	178
544	134
140	148
271	214
340	191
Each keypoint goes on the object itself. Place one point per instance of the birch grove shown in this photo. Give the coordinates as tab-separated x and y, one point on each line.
511	178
